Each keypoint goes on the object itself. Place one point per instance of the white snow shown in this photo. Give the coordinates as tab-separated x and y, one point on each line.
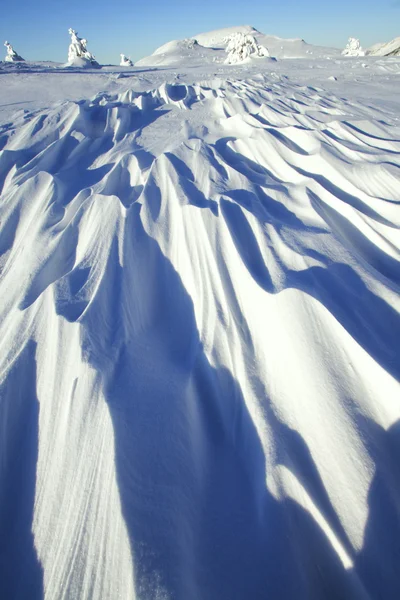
182	52
199	326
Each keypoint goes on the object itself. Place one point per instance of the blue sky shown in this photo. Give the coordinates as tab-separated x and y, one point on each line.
39	30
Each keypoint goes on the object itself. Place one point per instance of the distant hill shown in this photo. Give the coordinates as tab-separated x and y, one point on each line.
210	47
385	49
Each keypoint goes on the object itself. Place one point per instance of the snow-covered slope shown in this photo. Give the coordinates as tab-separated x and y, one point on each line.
199	325
386	49
182	52
295	48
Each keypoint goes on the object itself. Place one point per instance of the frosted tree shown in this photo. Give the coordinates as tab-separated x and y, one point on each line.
125	61
353	48
78	50
12	56
241	46
189	43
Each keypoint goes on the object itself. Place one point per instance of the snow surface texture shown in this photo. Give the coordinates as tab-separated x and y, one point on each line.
11	55
243	47
125	61
199	325
353	48
78	54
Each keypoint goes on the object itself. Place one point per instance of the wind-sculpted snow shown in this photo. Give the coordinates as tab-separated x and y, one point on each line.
199	346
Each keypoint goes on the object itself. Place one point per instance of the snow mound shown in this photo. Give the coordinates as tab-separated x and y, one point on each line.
177	46
185	52
199	331
353	48
80	62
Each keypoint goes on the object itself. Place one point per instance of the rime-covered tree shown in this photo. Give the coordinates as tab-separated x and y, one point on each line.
353	48
78	52
12	56
241	46
125	61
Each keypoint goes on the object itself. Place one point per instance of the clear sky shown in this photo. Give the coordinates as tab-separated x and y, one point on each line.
39	29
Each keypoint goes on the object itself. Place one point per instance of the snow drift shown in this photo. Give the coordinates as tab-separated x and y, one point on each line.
199	327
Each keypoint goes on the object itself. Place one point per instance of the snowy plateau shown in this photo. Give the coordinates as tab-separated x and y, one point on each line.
199	325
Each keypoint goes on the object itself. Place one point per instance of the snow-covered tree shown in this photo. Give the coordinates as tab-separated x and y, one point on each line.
77	49
125	61
353	48
190	43
241	46
12	56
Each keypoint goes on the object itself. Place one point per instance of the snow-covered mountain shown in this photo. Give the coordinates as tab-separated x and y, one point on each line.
391	48
210	47
199	331
278	47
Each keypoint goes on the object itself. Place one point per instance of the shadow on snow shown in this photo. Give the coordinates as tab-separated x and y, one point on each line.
21	574
190	466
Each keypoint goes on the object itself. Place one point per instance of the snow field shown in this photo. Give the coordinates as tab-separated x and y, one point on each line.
200	308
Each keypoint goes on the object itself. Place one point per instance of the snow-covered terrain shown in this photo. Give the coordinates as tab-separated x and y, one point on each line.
179	52
391	48
199	329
